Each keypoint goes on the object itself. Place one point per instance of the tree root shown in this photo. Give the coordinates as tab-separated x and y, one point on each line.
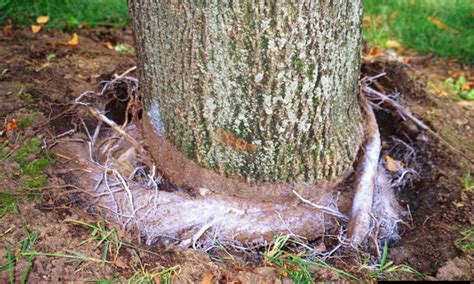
123	181
364	184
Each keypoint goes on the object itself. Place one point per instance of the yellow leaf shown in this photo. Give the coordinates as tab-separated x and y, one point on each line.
391	43
442	25
392	164
42	20
35	28
74	40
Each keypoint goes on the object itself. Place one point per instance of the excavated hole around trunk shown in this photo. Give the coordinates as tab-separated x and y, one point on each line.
120	180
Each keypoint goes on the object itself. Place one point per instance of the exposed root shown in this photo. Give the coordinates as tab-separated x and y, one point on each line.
364	184
126	184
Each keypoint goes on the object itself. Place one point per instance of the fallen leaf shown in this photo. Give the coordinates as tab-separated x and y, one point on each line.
375	51
83	26
11	126
467	86
442	25
391	43
392	164
7	28
458	204
42	20
36	28
124	162
74	40
109	45
207	279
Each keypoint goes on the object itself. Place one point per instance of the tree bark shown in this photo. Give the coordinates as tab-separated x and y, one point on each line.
251	91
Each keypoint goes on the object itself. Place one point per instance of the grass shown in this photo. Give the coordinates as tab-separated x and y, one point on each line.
24	249
440	27
66	14
299	267
107	239
387	270
18	251
285	253
466	241
6	203
448	34
157	275
468	182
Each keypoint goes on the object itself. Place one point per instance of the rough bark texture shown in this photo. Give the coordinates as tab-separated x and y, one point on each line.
260	91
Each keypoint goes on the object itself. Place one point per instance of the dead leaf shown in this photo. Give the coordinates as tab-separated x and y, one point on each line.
441	25
467	86
391	43
7	28
109	45
11	126
458	204
124	163
36	28
74	40
207	279
83	26
375	51
42	20
392	164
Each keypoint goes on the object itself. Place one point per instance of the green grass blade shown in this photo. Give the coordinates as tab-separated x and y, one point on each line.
11	260
27	270
104	253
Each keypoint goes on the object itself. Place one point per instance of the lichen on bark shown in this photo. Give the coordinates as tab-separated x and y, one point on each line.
255	90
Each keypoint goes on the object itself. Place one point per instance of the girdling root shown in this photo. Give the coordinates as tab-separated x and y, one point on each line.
125	183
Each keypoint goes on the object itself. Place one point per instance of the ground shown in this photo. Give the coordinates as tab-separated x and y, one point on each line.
47	235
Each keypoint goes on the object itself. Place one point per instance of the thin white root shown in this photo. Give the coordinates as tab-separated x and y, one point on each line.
364	185
327	210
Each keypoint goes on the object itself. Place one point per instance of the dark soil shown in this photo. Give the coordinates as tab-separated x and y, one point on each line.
440	204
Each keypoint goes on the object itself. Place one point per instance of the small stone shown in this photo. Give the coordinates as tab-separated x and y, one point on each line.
258	77
204	191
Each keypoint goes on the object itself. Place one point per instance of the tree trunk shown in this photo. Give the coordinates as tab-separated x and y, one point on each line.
250	92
